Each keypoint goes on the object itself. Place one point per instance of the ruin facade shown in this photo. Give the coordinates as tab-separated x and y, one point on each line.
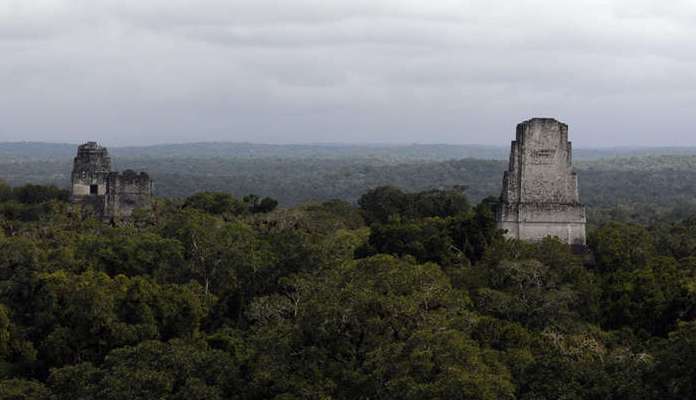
112	195
540	189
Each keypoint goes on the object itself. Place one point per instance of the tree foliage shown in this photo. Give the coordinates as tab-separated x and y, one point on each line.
410	295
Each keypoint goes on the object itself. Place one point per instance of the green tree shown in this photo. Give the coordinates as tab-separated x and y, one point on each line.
82	317
649	298
17	355
176	370
438	203
677	240
35	194
473	233
21	389
426	240
20	260
381	203
215	203
129	252
203	237
583	366
375	328
227	258
537	284
5	192
676	364
621	247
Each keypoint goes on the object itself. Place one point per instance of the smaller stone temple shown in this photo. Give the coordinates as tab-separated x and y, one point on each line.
540	190
112	195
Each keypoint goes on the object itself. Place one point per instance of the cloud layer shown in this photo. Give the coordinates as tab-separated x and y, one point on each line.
135	72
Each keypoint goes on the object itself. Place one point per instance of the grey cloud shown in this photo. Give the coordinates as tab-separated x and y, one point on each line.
127	71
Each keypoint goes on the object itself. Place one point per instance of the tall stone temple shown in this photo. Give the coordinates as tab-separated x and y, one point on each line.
112	195
540	190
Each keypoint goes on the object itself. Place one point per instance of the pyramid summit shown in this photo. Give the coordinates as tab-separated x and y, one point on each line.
540	189
111	194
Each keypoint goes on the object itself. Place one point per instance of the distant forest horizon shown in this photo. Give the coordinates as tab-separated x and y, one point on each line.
644	183
39	150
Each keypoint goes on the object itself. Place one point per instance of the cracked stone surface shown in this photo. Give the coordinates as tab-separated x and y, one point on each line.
540	189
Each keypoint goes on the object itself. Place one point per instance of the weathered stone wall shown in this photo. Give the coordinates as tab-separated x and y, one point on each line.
110	194
535	221
540	190
90	167
126	192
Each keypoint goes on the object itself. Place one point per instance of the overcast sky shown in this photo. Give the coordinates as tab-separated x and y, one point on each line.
304	71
